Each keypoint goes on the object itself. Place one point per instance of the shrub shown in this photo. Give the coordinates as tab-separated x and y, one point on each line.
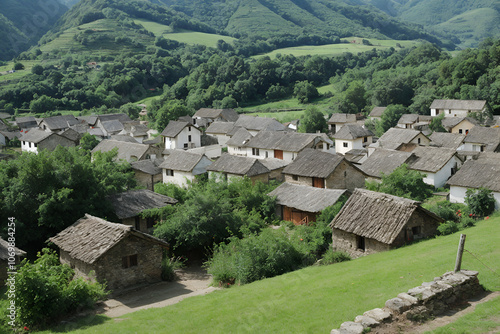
447	210
331	257
45	291
467	222
168	267
480	202
448	227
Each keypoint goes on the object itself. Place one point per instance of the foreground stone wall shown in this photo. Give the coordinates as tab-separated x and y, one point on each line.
418	304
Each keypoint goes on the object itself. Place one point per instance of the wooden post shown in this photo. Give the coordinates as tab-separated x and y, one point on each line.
461	245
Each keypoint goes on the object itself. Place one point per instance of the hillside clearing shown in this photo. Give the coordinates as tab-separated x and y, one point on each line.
315	299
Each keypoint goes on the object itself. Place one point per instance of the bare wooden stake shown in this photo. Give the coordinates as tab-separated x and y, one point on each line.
461	245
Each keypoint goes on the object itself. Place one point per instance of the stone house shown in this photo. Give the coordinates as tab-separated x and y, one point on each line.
461	125
352	136
7	136
36	140
339	120
110	253
181	135
372	222
283	145
205	116
383	162
180	167
376	113
414	121
129	205
4	258
446	139
323	170
128	151
437	163
148	172
229	167
135	130
72	135
482	139
457	108
221	131
58	123
400	139
302	204
474	174
255	124
26	123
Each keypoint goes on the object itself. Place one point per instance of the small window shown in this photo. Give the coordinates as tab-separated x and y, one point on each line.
185	145
295	177
36	145
194	120
170	172
129	261
189	128
365	139
460	131
416	230
29	144
255	151
189	138
360	242
320	146
267	154
345	144
24	143
419	140
327	147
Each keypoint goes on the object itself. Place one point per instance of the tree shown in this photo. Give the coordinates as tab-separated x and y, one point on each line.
403	182
436	125
88	142
354	98
389	118
313	120
170	111
480	201
305	91
131	109
37	69
18	66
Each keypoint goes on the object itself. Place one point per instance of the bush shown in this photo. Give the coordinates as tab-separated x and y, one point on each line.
331	257
168	267
480	202
45	291
448	227
447	210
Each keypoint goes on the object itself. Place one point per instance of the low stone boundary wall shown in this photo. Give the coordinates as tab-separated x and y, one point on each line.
429	299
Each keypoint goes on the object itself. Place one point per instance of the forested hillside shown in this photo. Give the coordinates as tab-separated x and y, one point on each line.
466	23
24	22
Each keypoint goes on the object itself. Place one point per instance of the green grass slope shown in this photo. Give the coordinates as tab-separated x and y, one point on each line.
315	299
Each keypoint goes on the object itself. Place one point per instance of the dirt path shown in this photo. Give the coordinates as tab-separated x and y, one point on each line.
191	281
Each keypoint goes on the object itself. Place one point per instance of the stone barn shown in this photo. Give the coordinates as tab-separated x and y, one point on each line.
372	222
110	253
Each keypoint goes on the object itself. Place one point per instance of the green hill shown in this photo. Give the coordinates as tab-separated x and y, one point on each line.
315	299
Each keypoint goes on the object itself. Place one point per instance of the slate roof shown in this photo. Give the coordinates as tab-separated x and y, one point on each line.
36	136
131	203
220	127
377	215
286	141
122	118
256	123
174	128
273	163
136	129
313	163
71	134
450	122
484	172
4	250
355	155
305	198
11	135
377	111
445	139
398	136
430	159
240	137
233	164
474	105
125	150
90	120
148	166
96	132
26	122
383	161
408	119
91	237
125	138
352	131
112	126
481	135
228	114
55	123
181	160
342	118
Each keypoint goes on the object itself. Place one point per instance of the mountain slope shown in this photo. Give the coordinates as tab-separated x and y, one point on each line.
23	22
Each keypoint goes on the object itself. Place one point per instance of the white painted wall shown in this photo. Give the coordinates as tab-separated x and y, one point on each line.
29	147
439	179
183	138
451	112
457	195
179	178
351	144
235	150
474	147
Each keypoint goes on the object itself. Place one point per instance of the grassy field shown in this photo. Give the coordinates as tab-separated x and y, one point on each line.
184	36
354	46
28	64
314	299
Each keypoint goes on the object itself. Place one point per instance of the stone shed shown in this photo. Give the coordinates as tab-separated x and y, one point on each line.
110	253
372	222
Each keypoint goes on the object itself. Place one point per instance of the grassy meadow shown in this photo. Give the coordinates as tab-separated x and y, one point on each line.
318	298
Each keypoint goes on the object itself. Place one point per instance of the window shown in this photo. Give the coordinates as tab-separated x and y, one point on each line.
150	222
194	120
255	151
29	144
327	147
360	242
416	230
419	140
295	177
129	261
189	138
138	223
365	139
267	154
169	172
24	143
320	146
460	131
185	145
189	128
345	144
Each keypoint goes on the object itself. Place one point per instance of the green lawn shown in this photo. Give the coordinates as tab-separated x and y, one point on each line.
334	49
314	299
184	36
28	64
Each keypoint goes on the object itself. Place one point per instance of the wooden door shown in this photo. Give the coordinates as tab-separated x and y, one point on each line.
278	154
318	182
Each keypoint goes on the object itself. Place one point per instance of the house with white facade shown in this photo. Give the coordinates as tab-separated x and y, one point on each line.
128	151
284	145
438	164
36	140
457	108
235	145
338	120
352	136
181	135
398	139
135	130
474	174
221	131
181	167
255	124
482	139
414	121
205	116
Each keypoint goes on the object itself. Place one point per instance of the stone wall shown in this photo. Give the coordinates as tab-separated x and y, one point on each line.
147	180
420	303
347	242
345	177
